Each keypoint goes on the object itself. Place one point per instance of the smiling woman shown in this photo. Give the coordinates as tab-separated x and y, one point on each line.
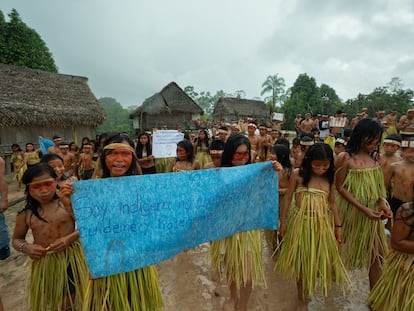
142	286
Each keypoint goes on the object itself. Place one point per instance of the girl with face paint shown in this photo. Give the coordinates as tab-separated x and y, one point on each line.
312	229
119	159
58	268
244	268
185	160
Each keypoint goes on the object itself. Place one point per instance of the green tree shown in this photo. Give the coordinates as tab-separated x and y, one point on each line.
117	118
274	85
304	96
189	90
206	101
23	46
329	100
389	97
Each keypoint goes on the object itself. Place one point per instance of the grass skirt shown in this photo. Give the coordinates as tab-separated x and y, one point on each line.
203	157
364	239
242	253
309	252
136	290
162	164
394	290
50	281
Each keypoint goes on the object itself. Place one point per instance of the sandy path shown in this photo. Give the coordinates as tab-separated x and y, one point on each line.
187	284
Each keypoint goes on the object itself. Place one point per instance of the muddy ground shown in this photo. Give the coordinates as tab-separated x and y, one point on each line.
188	284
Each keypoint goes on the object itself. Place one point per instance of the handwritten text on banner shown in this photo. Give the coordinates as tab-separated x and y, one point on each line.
131	222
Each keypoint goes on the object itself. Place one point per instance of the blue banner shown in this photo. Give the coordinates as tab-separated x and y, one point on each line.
126	223
44	144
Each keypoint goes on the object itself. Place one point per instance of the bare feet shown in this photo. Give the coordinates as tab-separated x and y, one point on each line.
229	305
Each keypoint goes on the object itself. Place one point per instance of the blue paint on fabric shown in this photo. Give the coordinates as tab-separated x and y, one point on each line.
127	223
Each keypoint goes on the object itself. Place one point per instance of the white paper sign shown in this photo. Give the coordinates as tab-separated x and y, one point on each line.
164	143
277	116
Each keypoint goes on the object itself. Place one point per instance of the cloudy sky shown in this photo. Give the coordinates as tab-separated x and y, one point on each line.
131	49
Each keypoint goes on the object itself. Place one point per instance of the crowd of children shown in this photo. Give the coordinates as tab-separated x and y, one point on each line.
337	196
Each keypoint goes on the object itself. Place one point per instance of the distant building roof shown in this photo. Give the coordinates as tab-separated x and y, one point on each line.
240	107
170	98
35	97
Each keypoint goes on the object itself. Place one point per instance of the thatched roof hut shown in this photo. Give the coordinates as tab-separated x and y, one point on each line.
171	107
232	109
37	103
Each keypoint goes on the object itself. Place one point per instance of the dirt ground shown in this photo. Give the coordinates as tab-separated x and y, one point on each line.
188	284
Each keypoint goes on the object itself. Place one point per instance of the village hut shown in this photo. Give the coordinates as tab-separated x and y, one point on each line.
36	103
171	108
231	109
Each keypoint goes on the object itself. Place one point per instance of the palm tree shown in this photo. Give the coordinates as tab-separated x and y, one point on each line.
276	86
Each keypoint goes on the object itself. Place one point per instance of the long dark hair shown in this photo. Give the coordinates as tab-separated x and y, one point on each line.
283	155
36	170
118	138
140	146
318	151
16	146
232	143
365	131
206	139
188	147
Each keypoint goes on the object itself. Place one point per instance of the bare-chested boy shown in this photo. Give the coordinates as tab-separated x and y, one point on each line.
306	125
69	160
86	164
57	140
254	140
399	177
265	144
406	124
392	122
391	145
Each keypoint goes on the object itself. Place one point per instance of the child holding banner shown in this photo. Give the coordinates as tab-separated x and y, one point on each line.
58	266
281	154
243	251
134	290
309	249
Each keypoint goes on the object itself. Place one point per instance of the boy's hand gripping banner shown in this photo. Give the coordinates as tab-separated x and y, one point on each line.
126	223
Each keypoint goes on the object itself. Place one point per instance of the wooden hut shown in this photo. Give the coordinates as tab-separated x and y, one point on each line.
171	108
231	109
36	103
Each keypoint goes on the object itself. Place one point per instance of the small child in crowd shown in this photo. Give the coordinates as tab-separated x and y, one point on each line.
313	224
399	176
340	145
281	154
391	144
216	151
58	269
